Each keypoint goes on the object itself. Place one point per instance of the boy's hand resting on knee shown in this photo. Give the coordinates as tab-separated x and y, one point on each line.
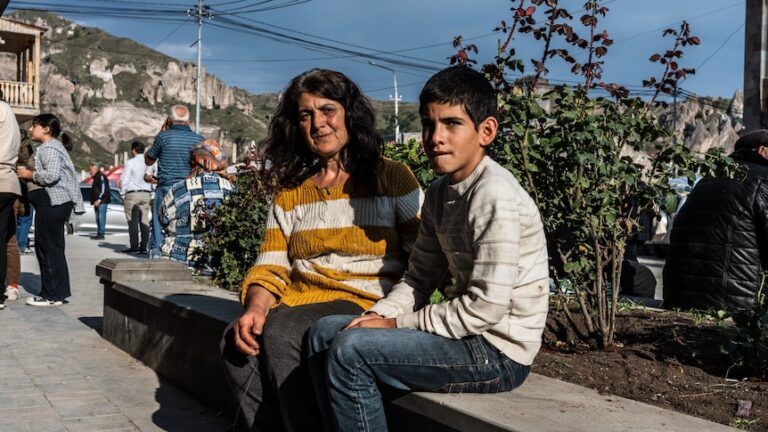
372	320
251	324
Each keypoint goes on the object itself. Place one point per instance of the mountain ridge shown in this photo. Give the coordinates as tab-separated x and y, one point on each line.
109	91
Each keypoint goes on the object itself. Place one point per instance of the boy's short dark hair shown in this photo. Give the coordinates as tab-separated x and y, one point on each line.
464	86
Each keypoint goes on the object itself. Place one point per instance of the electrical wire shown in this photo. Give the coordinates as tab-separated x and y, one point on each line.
722	45
317	46
629	38
336	41
171	33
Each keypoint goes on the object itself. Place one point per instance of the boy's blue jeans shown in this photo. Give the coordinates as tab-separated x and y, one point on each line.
348	366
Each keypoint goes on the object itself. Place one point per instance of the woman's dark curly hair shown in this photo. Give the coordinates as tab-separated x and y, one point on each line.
286	151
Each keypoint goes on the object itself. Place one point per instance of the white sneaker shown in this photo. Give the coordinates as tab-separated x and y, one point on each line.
11	293
39	301
2	306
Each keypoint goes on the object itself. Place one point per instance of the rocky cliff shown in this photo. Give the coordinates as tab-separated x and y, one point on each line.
109	91
703	123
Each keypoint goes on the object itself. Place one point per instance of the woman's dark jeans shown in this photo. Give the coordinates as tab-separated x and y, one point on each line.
273	389
49	245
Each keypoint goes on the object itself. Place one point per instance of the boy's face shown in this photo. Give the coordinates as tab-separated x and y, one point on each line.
452	142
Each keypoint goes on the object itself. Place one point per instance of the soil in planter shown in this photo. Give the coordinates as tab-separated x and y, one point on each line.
673	360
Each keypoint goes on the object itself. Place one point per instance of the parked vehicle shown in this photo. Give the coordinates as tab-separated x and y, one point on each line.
670	205
116	221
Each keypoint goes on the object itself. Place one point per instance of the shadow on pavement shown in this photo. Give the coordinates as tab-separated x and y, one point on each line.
95	322
176	413
117	247
31	283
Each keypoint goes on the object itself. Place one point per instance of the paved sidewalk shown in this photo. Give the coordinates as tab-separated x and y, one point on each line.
58	374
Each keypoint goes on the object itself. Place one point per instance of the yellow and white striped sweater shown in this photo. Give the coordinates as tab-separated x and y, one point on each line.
325	244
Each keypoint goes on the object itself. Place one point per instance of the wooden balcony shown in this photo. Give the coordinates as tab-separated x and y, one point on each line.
18	94
22	40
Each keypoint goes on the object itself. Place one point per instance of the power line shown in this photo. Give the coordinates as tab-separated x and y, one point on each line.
741	26
170	34
334	40
234	25
712	12
240	10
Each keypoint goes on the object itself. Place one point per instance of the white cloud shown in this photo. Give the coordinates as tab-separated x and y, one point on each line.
181	50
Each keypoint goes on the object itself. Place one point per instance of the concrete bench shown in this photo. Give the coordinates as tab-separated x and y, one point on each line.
156	312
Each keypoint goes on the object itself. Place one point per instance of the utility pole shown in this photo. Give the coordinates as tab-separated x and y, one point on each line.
396	98
200	12
755	45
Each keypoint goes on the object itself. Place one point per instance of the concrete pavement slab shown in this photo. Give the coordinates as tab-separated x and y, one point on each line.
58	374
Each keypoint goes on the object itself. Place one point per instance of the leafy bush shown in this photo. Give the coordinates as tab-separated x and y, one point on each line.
237	229
576	156
410	153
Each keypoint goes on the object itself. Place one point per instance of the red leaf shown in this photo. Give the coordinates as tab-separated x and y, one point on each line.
530	11
575	69
654	58
588	20
601	51
694	41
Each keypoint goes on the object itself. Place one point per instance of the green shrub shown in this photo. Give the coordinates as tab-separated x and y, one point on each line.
237	229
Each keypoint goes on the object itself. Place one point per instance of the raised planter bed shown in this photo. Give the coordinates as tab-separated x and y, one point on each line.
174	327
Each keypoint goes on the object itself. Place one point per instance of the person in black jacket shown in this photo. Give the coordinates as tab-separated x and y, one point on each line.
100	197
719	242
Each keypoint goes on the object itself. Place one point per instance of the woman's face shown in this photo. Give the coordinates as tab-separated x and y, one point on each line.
322	122
38	133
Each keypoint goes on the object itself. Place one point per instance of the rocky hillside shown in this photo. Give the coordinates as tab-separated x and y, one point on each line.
109	91
704	123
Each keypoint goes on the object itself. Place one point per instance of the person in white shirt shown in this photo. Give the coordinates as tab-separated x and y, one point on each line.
136	199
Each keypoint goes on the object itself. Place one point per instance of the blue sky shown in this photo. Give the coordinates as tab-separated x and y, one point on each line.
261	65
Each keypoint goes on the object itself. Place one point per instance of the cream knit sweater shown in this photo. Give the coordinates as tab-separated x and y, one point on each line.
487	231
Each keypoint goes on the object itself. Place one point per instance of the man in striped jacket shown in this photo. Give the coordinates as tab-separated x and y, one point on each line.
171	151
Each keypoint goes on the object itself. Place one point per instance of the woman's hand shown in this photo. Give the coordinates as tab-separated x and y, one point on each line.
24	172
371	320
251	324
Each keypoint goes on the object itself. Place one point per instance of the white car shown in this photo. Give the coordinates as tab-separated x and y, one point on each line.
116	221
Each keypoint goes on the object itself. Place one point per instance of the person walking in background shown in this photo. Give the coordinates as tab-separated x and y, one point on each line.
10	139
54	204
25	211
171	152
136	199
183	213
100	198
